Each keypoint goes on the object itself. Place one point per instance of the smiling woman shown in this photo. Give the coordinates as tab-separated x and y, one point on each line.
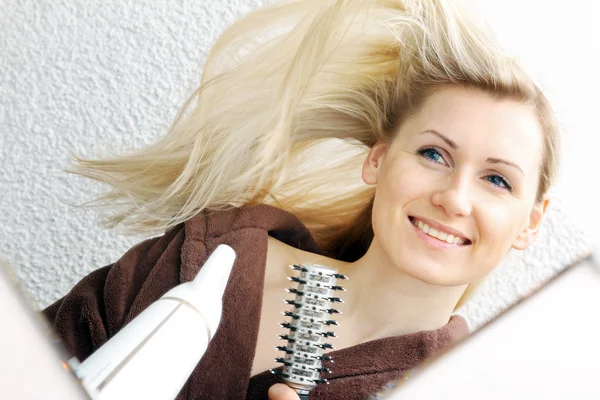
446	150
470	192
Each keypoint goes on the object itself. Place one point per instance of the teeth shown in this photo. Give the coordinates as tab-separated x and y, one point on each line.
451	239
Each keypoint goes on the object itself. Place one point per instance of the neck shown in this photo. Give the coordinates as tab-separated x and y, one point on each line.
383	301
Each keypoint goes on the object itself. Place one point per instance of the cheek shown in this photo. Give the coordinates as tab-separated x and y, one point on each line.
397	187
499	227
404	181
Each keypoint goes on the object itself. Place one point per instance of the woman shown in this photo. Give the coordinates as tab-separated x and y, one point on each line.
391	139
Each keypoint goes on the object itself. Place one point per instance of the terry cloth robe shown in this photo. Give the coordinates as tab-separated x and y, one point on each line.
108	298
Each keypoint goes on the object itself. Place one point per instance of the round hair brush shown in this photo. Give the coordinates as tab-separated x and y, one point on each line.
309	327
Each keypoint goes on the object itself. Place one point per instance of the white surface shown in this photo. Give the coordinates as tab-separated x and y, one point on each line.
545	348
31	366
85	75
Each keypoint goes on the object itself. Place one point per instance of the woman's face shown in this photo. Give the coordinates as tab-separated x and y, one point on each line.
456	188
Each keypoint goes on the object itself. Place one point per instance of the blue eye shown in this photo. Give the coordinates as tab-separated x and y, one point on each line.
500	182
433	155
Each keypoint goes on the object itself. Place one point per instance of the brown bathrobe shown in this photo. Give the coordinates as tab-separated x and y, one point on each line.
110	297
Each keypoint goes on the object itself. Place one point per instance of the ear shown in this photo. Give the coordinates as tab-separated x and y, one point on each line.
530	232
373	162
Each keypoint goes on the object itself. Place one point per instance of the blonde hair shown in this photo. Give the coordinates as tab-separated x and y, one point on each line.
291	99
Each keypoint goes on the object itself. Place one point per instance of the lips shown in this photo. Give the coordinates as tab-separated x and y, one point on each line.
439	231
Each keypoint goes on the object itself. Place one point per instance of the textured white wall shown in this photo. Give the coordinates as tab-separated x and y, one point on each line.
87	75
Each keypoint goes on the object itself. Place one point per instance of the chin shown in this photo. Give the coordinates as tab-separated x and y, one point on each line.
430	272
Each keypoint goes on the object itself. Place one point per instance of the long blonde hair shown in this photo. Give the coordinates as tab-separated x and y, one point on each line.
292	97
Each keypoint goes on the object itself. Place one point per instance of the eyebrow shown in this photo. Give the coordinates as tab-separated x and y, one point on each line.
501	161
454	146
444	138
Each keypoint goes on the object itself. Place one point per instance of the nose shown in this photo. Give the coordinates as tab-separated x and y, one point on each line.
453	196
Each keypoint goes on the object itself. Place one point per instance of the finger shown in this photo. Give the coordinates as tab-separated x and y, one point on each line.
279	391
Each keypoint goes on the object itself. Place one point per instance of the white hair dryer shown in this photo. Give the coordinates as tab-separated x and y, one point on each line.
152	357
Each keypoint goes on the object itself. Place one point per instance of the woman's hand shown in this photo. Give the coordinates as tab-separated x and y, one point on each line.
279	391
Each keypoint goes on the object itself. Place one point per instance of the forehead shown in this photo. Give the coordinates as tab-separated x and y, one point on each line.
482	126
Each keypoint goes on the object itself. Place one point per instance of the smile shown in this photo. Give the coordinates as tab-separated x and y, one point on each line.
439	234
